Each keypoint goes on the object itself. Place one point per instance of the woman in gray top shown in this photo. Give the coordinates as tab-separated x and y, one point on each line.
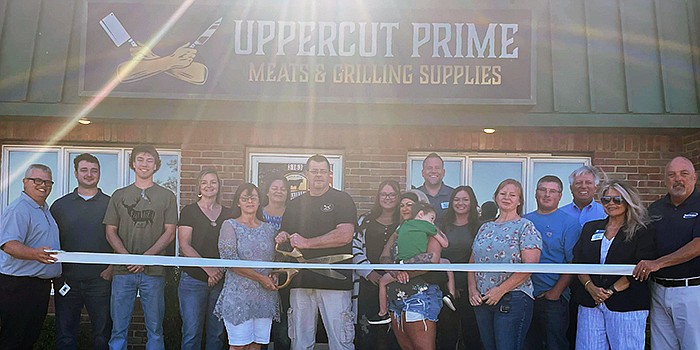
249	300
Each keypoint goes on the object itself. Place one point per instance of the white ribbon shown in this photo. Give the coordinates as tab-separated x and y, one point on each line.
133	259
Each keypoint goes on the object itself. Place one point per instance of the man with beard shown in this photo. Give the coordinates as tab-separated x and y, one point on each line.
675	275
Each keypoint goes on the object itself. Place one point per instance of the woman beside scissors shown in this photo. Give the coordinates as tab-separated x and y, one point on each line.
249	301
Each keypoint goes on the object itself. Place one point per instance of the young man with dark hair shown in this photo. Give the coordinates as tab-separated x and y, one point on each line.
79	217
140	219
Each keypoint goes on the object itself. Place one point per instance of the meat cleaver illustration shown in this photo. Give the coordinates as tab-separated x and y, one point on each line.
191	72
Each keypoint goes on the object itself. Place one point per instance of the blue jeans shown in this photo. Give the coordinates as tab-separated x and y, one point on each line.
197	301
151	290
504	325
550	321
94	294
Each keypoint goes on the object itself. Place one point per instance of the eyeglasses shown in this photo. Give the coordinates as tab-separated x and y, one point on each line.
388	195
548	191
39	182
319	171
251	199
607	199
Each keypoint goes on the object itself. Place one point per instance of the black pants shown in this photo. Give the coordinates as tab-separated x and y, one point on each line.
23	305
458	327
369	337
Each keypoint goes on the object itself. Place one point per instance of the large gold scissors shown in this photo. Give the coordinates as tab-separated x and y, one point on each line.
296	254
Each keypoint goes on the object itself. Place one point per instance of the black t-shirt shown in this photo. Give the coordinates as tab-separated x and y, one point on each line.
314	216
205	236
459	250
376	236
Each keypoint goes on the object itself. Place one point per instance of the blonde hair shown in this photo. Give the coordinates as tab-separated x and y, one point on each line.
636	216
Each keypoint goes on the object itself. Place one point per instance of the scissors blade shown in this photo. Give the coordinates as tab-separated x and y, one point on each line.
330	273
208	33
329	259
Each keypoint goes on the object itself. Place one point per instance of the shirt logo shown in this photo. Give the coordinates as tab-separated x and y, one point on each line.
690	215
327	208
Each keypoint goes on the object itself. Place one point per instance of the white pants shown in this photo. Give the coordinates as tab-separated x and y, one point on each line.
601	329
675	317
336	312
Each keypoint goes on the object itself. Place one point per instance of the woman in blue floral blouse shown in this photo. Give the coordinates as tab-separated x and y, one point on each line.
503	301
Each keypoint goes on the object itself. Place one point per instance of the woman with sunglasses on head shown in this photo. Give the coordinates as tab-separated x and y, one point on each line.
249	301
199	287
613	310
373	230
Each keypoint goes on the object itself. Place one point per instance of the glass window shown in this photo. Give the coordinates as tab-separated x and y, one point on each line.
486	174
115	172
485	171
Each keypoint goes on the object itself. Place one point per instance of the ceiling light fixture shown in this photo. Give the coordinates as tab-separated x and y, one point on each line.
489	130
84	121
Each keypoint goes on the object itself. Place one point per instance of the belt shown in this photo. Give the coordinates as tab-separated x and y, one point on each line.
678	282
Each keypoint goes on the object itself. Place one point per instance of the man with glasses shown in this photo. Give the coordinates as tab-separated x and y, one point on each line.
438	193
27	230
675	275
320	222
140	219
559	232
79	216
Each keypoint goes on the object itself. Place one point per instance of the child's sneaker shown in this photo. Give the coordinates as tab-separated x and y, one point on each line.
449	301
380	319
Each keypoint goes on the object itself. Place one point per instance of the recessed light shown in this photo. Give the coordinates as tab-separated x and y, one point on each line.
84	121
489	130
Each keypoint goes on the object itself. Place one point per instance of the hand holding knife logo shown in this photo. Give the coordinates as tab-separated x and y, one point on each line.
145	64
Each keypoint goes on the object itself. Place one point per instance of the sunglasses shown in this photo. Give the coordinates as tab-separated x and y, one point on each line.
607	199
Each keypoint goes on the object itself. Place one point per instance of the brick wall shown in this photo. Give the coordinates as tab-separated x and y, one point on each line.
372	153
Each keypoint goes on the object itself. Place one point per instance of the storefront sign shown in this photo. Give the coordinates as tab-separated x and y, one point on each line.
319	51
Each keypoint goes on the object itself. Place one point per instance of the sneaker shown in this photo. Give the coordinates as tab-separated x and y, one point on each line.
380	319
449	301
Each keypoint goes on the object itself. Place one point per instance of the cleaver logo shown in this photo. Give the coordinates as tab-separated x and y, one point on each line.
145	64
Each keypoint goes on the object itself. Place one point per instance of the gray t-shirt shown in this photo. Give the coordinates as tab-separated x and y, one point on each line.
140	216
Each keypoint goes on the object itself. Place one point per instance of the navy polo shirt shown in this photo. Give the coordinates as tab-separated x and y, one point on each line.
675	227
439	202
81	230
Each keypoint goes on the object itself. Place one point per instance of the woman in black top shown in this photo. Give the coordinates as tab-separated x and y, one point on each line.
373	230
460	224
199	288
613	309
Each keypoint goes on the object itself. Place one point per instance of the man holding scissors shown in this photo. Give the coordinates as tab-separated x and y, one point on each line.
320	223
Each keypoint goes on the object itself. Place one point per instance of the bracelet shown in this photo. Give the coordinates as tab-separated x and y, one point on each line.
586	284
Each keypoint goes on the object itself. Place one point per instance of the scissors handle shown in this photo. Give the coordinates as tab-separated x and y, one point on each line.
289	274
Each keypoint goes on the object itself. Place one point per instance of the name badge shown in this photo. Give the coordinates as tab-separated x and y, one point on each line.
445	205
598	235
64	290
690	215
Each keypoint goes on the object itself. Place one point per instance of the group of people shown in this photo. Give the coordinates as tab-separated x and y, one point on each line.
245	308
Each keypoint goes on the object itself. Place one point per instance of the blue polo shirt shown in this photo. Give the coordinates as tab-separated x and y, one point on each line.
593	211
560	233
439	202
675	227
81	230
31	224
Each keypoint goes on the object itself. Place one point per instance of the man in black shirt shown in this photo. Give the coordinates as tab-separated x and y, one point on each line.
320	222
79	217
